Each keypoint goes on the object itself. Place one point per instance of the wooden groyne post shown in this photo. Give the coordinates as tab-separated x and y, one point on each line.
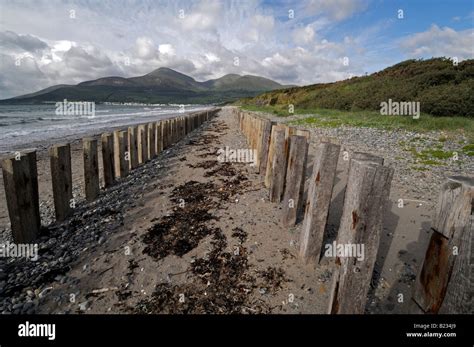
108	166
151	145
142	144
61	179
278	162
133	147
295	178
367	192
121	156
318	201
91	169
21	190
445	280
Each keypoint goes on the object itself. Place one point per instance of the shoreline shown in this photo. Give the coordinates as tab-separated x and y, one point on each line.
45	143
44	172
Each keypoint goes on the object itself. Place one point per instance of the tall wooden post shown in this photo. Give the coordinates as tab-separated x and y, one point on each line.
142	144
165	133
295	177
91	169
159	137
151	145
108	159
318	201
133	147
20	179
271	150
367	192
61	179
121	155
279	162
265	139
445	281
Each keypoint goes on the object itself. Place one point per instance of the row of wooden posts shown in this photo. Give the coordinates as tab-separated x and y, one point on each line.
122	151
282	157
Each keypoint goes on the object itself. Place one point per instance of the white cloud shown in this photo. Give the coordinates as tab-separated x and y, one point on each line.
304	35
438	41
145	48
336	9
167	49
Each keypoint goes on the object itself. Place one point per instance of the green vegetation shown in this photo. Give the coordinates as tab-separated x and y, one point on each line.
452	126
443	90
469	150
420	168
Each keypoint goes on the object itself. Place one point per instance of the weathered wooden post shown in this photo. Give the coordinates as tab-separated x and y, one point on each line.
306	134
108	159
318	201
265	139
170	132
61	179
367	157
187	126
145	142
258	142
121	156
182	127
91	168
20	180
165	132
295	177
142	142
445	281
133	147
151	141
196	122
279	162
271	150
158	138
176	130
367	193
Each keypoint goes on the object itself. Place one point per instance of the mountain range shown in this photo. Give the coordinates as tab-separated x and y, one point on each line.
162	85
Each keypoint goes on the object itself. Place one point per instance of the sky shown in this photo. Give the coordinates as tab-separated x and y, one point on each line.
49	42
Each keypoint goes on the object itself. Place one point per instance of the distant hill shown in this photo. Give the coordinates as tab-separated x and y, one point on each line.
441	88
162	85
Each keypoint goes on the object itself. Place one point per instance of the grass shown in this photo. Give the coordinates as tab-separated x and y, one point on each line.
452	126
469	150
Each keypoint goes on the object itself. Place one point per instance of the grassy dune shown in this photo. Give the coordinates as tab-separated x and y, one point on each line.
452	127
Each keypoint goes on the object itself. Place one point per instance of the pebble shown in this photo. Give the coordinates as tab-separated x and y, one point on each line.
84	305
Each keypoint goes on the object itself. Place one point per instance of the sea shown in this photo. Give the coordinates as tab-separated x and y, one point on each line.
23	126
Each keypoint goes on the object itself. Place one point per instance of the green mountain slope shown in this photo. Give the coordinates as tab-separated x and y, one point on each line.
441	88
246	82
162	85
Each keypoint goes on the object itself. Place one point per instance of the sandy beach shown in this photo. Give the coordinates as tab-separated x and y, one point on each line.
185	233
